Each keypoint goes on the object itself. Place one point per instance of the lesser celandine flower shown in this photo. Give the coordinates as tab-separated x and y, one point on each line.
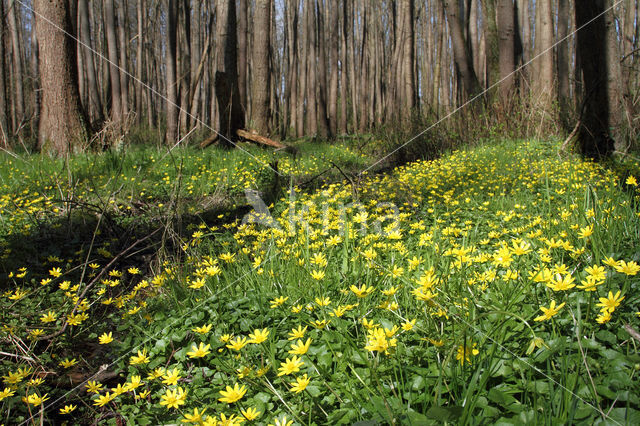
258	336
6	393
238	343
199	351
203	329
627	268
140	358
611	302
250	413
173	398
291	365
171	377
466	351
300	348
106	338
549	312
232	394
297	333
300	384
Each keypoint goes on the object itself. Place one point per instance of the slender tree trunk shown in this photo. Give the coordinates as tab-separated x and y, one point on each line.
62	124
123	48
460	52
183	64
243	8
544	83
343	70
406	78
261	72
95	102
171	66
4	125
302	126
114	72
141	12
593	135
562	49
492	44
507	45
230	112
312	118
18	75
334	34
321	87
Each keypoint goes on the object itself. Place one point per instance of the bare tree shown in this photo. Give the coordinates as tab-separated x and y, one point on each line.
94	107
509	46
114	71
4	130
243	45
62	123
18	74
261	70
543	93
594	138
231	116
333	62
172	81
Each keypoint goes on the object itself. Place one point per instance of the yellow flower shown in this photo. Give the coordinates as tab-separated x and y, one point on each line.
323	301
55	272
408	325
611	302
250	413
297	333
278	301
300	348
549	312
317	275
320	324
171	377
604	317
67	409
560	283
140	358
103	400
6	393
362	291
48	317
105	338
258	336
597	272
231	395
631	181
35	399
134	383
300	384
585	232
464	352
202	330
627	268
199	351
173	398
197	283
291	365
196	417
610	262
238	343
93	386
281	422
68	363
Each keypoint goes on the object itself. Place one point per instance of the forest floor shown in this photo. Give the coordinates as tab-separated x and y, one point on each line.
494	285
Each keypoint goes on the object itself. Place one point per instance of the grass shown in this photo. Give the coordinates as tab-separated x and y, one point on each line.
478	288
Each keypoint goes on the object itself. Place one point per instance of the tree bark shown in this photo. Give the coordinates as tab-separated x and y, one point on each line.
141	12
230	112
114	72
261	72
544	83
18	75
172	80
122	28
334	32
62	124
562	54
507	46
4	129
461	53
94	109
593	135
321	87
243	8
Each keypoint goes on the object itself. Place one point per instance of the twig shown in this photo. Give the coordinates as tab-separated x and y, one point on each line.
17	356
632	332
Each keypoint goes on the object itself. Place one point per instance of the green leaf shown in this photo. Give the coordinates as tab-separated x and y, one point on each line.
445	414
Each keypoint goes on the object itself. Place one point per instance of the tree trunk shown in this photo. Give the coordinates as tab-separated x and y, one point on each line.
141	12
593	135
171	65
343	70
406	77
334	33
183	65
243	8
492	45
94	109
230	112
260	70
321	87
123	49
562	49
461	53
544	83
312	118
4	129
114	72
18	74
507	45
62	124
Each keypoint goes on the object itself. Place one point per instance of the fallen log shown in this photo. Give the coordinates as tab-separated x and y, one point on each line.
262	140
208	141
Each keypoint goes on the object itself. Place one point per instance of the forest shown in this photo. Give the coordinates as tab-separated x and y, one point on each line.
288	212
